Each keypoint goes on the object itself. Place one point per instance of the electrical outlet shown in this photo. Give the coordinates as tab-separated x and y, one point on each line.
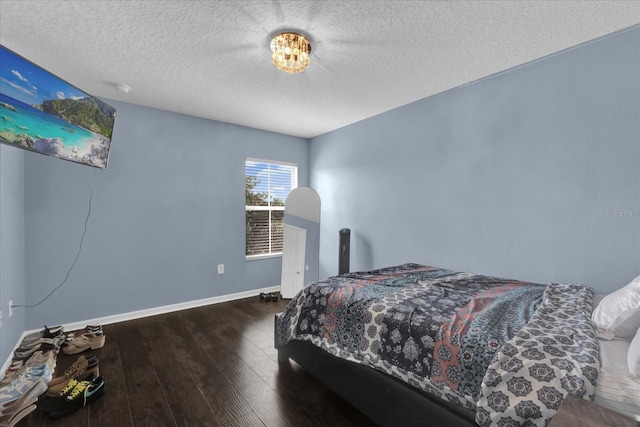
10	308
220	268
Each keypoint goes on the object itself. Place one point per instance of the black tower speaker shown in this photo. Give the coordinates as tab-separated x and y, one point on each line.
343	261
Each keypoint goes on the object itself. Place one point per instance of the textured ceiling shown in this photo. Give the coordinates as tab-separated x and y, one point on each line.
211	58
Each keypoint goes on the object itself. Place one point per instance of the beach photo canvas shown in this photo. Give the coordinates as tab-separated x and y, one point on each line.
43	113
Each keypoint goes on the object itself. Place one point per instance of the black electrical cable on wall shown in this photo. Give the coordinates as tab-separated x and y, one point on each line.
86	221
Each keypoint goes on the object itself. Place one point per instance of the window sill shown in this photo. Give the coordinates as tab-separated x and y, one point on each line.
259	257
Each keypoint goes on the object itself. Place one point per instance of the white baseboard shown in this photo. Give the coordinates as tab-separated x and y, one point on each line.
123	317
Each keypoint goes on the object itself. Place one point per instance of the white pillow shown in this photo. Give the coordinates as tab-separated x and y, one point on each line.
633	356
619	312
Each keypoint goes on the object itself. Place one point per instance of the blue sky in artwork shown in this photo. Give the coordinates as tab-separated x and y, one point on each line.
28	83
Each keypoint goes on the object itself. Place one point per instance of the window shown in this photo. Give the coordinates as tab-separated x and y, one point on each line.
267	186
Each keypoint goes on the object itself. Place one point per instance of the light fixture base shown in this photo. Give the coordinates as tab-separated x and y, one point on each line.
122	88
291	51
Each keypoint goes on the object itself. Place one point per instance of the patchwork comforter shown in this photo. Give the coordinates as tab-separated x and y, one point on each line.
509	350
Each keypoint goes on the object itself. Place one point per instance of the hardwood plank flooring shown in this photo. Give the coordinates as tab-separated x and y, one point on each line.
207	366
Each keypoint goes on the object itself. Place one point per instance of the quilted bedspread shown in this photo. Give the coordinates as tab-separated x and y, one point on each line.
507	349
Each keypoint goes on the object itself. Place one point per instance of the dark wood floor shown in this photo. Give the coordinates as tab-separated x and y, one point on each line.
208	366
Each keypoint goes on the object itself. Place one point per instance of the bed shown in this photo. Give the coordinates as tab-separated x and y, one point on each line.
420	345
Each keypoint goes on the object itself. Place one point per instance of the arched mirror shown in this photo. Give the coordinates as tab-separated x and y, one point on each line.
301	246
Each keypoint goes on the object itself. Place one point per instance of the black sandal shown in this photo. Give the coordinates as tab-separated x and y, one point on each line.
270	297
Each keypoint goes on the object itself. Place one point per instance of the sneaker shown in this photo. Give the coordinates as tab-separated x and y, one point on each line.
36	361
82	394
33	344
29	381
23	382
52	332
51	404
24	354
30	396
82	369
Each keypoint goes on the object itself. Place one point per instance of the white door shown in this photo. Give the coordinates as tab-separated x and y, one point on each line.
293	253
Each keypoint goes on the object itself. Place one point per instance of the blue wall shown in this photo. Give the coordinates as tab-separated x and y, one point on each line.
12	246
531	174
168	209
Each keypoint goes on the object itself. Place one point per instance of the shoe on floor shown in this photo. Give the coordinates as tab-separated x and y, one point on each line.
95	329
23	383
10	420
50	403
25	387
10	409
18	367
82	394
80	370
84	342
52	332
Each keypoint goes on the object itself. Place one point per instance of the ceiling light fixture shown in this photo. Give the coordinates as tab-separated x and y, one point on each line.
290	52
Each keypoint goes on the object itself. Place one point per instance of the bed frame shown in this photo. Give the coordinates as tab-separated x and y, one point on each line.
384	399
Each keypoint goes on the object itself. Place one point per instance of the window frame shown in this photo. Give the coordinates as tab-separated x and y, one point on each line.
268	207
